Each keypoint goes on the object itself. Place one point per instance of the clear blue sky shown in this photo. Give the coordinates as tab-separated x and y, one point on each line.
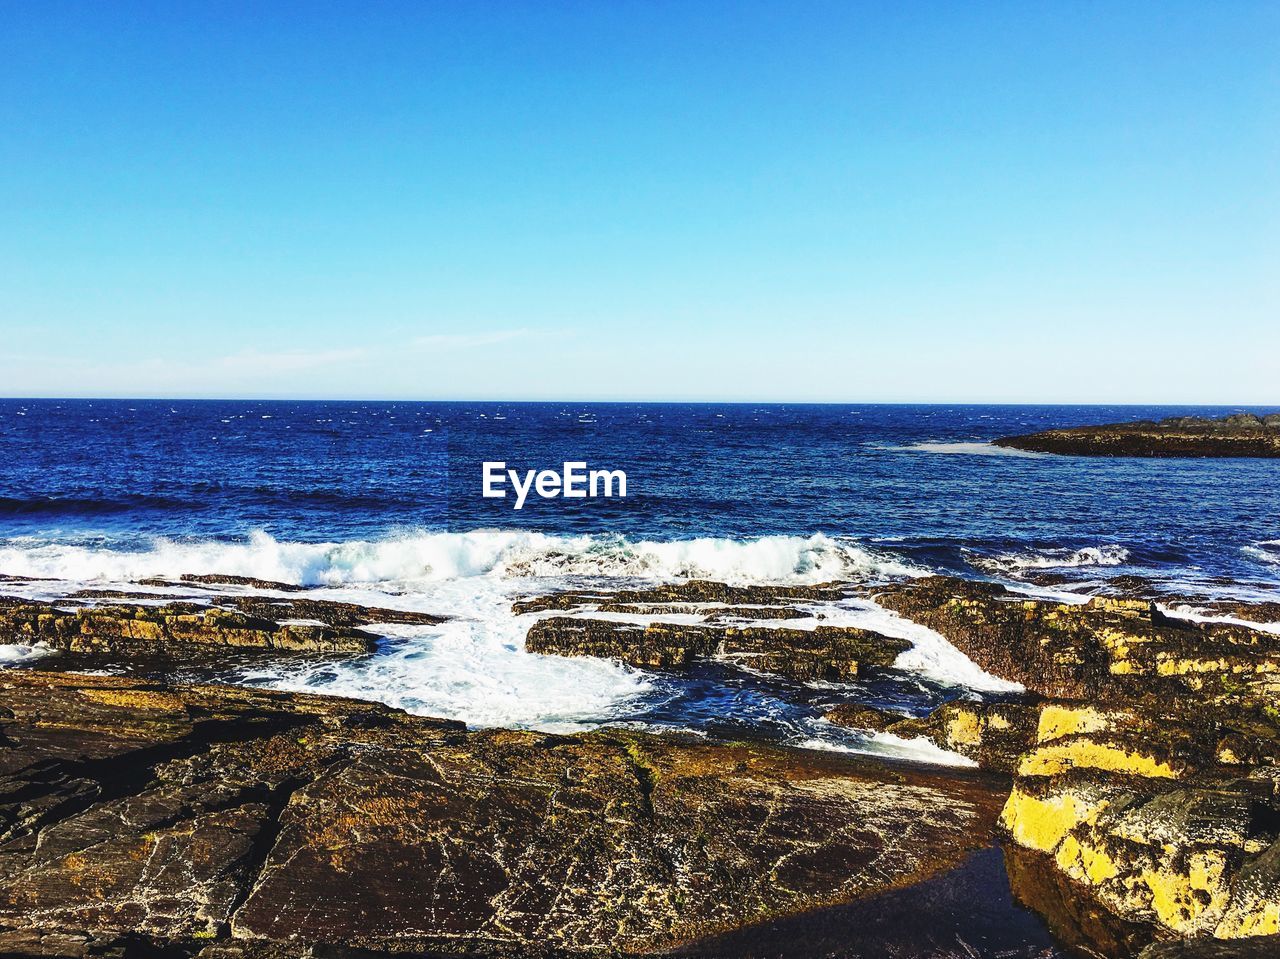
641	200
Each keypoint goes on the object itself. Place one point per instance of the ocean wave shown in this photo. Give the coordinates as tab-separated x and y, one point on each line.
918	749
475	672
1198	615
1015	563
931	655
87	505
971	448
1265	551
11	653
423	556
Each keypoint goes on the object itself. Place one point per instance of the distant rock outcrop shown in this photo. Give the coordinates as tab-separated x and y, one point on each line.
1241	434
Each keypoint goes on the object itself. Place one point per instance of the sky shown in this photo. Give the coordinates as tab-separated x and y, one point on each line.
799	201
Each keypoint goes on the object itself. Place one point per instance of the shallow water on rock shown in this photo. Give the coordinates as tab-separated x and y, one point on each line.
969	912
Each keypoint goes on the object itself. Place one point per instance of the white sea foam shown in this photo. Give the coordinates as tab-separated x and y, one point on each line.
1108	555
918	750
930	654
11	653
1183	611
465	674
473	667
966	449
416	557
1266	551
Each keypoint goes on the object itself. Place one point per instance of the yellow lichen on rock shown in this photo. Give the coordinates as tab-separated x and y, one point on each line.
1182	900
1053	760
1261	919
1085	862
965	728
134	699
1042	823
1187	666
1059	721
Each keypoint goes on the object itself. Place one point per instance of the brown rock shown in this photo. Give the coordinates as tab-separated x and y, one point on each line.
995	735
224	579
825	652
129	630
1265	947
249	818
1144	782
1241	434
858	716
338	615
693	591
1108	648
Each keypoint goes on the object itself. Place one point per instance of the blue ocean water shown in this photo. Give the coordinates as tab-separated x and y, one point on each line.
117	472
380	504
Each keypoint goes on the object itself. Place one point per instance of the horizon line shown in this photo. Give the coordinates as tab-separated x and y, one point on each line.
621	402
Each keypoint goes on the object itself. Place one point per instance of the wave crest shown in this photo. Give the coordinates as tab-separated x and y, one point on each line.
426	556
1265	551
1016	563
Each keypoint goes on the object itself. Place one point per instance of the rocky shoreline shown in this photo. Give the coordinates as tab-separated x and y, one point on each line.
1241	434
198	814
1135	785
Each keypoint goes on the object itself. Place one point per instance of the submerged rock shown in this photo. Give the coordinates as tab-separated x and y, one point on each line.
1261	948
340	615
860	716
821	653
698	591
1241	434
251	819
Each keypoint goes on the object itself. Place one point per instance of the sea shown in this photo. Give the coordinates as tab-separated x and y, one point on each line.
381	503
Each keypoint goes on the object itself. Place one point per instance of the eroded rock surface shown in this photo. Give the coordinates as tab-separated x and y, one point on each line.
1241	434
695	591
1108	648
244	818
226	579
335	614
130	630
1147	773
733	625
822	653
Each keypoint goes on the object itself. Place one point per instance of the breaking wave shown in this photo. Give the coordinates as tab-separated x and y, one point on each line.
1267	551
474	666
1015	563
966	449
432	557
11	653
918	749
